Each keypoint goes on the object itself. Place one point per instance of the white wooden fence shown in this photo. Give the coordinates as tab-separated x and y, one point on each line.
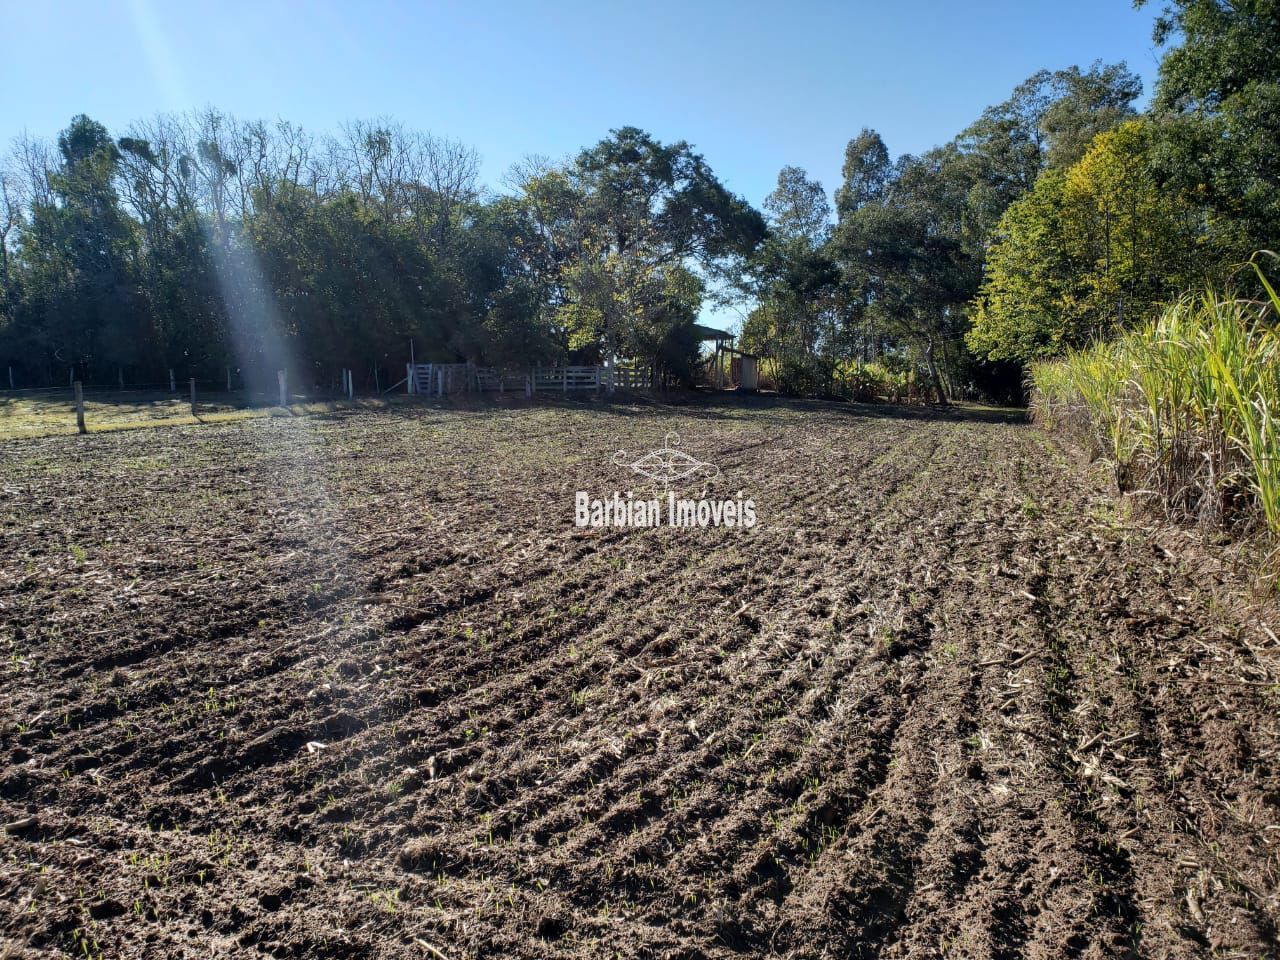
442	379
632	377
564	379
438	379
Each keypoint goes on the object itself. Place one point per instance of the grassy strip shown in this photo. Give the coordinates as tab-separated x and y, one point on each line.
1184	408
52	413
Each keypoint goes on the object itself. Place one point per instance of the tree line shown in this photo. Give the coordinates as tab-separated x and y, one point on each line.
1057	217
204	242
1060	217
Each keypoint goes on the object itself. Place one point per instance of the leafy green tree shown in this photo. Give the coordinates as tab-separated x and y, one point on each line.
1030	276
1139	241
913	235
865	174
12	208
797	210
1047	123
865	178
1085	104
793	281
176	272
627	228
1218	103
80	251
906	275
1087	250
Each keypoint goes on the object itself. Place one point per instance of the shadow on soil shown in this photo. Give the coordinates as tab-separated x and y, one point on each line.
130	410
724	406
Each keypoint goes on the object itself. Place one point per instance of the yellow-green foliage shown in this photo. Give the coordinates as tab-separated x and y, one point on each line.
1184	407
1085	253
872	381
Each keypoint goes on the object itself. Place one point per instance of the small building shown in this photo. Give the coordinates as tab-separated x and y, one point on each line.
743	368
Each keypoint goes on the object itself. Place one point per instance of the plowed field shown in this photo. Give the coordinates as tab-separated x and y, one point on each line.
356	686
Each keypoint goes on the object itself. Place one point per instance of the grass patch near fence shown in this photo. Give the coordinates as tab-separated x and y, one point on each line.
45	413
1184	408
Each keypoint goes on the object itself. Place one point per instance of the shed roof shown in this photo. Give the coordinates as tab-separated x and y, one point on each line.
711	333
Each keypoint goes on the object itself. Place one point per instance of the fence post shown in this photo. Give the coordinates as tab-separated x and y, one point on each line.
228	379
282	377
11	378
120	377
528	385
79	389
408	377
193	397
439	383
173	384
564	379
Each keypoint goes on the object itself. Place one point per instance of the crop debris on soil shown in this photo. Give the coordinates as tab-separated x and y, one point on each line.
356	686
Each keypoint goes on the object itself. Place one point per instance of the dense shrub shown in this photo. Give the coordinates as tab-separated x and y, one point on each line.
1183	407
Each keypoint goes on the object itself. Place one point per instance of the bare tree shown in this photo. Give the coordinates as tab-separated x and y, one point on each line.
407	176
13	206
450	172
210	164
150	180
35	160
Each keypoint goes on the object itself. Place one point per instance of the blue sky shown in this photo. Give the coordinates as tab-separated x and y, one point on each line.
752	85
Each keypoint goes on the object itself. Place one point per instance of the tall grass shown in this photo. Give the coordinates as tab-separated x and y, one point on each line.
1185	408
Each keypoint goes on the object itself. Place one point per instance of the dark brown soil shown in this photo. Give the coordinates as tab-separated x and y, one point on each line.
356	687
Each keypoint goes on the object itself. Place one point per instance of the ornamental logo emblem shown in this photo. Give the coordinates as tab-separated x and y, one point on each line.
667	464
